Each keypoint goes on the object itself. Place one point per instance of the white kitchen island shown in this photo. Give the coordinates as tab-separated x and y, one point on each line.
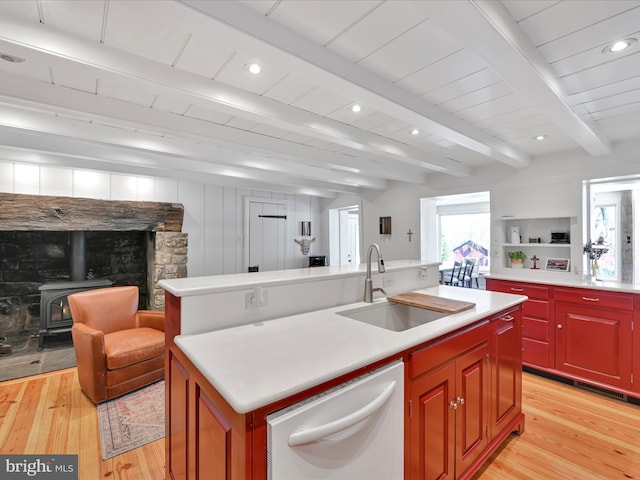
258	359
260	363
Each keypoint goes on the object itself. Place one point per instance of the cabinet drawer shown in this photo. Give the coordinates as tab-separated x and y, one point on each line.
535	353
595	298
536	308
535	328
442	351
531	291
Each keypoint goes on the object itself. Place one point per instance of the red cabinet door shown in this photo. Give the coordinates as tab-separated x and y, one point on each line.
177	423
506	398
594	344
432	425
205	437
472	412
449	418
635	362
212	445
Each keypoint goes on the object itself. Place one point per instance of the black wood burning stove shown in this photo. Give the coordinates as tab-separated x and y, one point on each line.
55	316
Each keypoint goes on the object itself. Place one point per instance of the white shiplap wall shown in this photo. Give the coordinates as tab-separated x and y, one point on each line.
213	215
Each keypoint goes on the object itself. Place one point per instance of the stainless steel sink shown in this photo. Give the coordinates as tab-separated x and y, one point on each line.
393	316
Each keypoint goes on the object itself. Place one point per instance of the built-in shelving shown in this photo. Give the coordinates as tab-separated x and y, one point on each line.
543	245
538	228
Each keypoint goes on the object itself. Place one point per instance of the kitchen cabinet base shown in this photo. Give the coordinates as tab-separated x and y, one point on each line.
585	383
206	437
589	336
515	427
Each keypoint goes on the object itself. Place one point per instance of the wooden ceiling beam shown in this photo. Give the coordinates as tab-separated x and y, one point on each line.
43	212
487	28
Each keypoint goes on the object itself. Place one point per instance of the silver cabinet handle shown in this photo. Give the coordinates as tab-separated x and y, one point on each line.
507	318
460	400
517	289
591	299
559	325
453	405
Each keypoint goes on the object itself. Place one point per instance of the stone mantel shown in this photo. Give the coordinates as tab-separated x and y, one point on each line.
43	212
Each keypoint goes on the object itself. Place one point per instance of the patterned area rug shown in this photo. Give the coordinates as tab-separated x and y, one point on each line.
132	420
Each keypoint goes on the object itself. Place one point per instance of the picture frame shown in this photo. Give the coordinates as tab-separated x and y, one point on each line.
557	264
385	225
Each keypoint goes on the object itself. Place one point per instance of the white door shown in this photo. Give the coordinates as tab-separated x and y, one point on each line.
267	235
349	236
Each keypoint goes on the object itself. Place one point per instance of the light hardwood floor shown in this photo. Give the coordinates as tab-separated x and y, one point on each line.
49	414
570	433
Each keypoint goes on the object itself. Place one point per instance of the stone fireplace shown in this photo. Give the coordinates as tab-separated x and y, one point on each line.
53	246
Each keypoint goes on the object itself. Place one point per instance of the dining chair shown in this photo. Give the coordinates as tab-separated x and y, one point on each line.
469	267
475	274
462	274
455	274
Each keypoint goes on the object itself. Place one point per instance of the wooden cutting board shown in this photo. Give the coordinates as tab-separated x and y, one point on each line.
431	302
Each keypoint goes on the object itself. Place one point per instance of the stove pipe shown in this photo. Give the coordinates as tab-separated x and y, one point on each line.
78	256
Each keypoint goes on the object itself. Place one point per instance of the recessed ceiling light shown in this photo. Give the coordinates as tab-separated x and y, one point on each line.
11	58
254	68
619	45
539	137
415	131
356	108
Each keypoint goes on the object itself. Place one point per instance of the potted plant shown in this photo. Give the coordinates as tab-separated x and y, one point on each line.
517	259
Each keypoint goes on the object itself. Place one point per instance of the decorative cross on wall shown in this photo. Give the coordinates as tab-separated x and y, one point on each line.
409	233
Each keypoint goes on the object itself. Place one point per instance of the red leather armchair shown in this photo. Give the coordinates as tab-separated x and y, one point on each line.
118	347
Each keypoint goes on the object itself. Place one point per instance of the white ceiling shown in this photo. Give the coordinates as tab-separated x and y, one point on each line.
161	87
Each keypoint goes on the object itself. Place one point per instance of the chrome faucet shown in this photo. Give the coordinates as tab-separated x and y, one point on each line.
368	284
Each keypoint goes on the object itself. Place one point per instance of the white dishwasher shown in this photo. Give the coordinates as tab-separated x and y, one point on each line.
352	431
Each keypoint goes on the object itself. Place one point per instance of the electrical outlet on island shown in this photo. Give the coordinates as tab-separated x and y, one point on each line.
256	298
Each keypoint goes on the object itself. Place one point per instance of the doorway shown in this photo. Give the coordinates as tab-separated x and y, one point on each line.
345	235
266	233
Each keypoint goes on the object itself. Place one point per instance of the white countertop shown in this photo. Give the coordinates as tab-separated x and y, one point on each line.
183	287
562	280
257	364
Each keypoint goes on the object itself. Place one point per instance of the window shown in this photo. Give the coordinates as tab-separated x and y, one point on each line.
604	227
611	219
462	228
464	235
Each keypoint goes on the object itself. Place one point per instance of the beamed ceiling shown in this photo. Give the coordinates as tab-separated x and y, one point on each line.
163	88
